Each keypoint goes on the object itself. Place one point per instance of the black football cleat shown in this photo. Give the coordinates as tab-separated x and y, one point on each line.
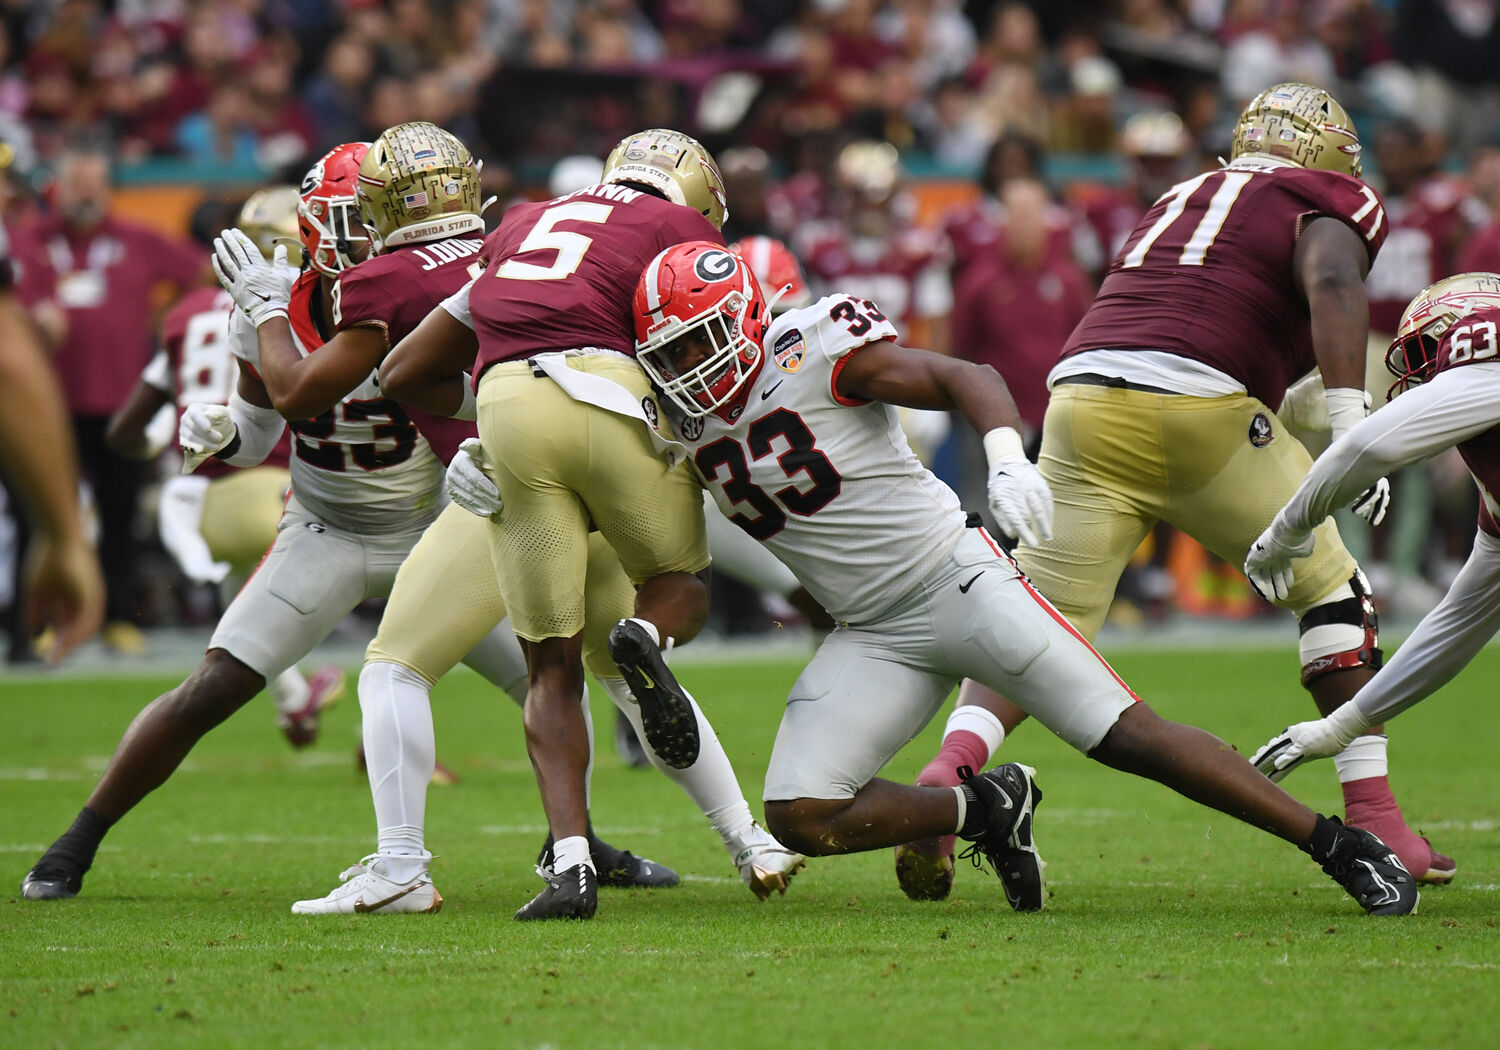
1371	872
573	894
1009	797
46	882
666	713
617	868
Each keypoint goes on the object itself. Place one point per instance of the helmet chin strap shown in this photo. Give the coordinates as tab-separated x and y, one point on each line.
771	303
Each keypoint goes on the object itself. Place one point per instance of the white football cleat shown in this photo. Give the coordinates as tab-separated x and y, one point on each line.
766	864
367	890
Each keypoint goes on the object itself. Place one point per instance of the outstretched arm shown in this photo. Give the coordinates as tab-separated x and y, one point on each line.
426	368
306	387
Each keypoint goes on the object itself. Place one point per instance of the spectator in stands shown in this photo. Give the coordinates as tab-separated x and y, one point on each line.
222	135
336	93
105	271
746	170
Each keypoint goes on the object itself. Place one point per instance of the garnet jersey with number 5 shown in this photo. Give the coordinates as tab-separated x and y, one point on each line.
562	273
200	367
1475	339
1207	274
829	485
362	465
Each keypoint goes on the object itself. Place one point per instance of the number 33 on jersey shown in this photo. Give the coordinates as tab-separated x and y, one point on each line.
799	451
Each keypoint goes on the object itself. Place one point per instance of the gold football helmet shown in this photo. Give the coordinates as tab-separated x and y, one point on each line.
673	164
1413	353
1301	124
418	183
269	218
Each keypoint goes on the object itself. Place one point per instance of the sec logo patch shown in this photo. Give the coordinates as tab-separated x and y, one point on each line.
1260	430
692	428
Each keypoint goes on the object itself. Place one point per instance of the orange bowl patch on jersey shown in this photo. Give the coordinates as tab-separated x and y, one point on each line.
788	351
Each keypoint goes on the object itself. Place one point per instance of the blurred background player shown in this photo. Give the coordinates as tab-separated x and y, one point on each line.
218	522
107	274
61	587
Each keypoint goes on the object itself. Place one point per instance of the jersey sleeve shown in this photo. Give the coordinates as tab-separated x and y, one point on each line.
361	300
158	373
243	342
835	327
1351	202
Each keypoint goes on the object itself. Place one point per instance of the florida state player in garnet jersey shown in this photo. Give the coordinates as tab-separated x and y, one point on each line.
1235	284
1447	342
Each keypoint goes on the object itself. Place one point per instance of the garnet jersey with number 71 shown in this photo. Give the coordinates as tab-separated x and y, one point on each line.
562	273
1207	274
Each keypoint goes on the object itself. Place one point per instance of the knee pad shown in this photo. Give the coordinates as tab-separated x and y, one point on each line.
1340	632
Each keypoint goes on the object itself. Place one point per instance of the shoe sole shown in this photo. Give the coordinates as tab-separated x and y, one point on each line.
922	874
667	717
1020	866
432	909
764	882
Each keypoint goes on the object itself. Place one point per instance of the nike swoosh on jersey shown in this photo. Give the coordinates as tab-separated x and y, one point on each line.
362	907
963	588
771	389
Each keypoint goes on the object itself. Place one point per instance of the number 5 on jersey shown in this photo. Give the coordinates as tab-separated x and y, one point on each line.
569	246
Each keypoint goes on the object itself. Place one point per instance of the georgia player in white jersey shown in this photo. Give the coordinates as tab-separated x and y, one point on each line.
792	428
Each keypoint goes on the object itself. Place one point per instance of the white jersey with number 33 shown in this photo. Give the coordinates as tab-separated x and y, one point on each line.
829	484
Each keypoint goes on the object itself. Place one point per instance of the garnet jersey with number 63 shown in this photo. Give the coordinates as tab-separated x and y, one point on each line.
1475	339
562	273
1207	274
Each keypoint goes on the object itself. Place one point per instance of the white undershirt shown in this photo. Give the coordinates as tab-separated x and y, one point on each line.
1158	368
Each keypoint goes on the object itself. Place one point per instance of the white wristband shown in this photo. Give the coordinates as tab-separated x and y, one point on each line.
1347	408
1003	445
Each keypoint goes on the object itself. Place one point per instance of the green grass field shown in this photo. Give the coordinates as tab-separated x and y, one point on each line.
1168	926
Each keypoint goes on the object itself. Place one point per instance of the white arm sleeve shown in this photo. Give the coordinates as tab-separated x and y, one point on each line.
258	430
158	373
457	304
1444	642
1454	406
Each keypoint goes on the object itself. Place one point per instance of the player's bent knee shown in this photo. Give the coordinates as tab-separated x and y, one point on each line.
1340	632
805	824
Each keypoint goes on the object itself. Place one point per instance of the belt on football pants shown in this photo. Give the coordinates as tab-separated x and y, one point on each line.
1113	382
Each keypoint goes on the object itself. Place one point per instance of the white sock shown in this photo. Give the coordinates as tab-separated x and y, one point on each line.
710	782
963	810
400	753
290	690
972	718
1362	759
588	727
650	629
569	853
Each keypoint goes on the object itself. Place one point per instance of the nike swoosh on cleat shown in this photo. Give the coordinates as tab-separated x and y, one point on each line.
770	389
645	678
963	588
361	907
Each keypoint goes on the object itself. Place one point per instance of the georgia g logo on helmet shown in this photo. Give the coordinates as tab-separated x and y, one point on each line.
714	266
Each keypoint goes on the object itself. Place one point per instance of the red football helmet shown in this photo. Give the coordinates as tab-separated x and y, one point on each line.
1413	353
692	291
328	216
776	268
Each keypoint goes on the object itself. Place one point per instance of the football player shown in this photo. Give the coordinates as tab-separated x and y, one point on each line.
217	522
790	424
570	436
1234	284
1447	342
445	605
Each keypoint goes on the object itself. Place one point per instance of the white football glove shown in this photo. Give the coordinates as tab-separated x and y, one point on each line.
467	483
1321	738
1269	563
262	289
1371	504
1020	501
204	430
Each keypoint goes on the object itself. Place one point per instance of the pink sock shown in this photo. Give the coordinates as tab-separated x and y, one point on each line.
1369	804
960	748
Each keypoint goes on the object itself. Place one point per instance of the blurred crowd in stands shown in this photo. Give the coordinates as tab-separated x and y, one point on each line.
971	167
